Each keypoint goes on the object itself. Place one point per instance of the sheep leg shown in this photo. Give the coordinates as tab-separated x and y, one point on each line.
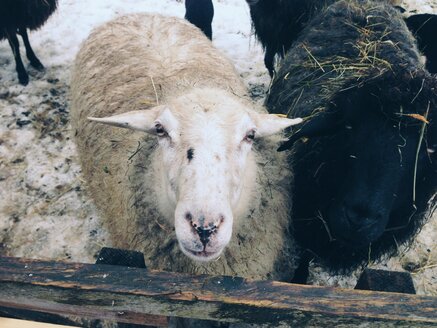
208	31
34	61
302	272
19	67
268	61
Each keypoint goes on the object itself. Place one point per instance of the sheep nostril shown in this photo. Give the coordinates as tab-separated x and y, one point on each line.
189	216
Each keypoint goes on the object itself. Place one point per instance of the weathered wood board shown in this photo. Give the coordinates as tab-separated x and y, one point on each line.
132	295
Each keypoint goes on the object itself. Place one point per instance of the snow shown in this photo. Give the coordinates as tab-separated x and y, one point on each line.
44	210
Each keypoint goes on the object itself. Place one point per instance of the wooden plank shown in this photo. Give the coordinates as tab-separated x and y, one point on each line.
37	316
14	323
59	319
130	294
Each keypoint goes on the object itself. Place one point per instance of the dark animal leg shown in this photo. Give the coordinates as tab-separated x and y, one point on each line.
200	13
208	31
34	61
302	272
268	61
19	67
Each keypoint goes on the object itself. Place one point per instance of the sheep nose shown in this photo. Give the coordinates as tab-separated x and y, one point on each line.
204	227
204	234
360	216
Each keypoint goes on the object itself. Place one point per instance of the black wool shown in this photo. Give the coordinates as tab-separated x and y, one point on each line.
200	13
16	16
359	192
277	23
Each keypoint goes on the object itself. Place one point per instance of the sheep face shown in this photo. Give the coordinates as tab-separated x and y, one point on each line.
205	167
368	195
359	172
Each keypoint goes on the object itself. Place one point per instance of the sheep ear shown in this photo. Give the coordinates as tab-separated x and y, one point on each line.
141	120
269	124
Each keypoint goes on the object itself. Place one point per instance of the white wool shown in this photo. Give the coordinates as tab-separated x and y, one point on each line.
161	76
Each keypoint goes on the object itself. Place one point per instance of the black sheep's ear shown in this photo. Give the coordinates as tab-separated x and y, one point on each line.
424	29
317	125
329	120
290	142
400	9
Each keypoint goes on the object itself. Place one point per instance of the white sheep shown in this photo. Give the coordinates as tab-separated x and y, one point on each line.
196	176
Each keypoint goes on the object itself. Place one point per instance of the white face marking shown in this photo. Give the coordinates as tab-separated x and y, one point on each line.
204	156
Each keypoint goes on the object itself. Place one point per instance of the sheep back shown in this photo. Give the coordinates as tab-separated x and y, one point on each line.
318	66
278	23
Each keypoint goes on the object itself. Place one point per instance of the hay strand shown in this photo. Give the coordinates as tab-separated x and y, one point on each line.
422	133
154	89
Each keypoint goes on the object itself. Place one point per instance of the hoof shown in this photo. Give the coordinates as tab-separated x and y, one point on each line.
23	79
386	281
37	65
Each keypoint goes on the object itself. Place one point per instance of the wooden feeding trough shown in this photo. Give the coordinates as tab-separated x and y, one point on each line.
138	296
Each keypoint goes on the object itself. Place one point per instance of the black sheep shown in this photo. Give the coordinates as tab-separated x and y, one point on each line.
359	189
16	16
277	23
200	13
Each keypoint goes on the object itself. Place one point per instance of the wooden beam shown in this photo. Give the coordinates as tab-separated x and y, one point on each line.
131	295
14	323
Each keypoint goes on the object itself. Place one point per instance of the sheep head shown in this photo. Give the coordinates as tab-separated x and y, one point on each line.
361	180
205	166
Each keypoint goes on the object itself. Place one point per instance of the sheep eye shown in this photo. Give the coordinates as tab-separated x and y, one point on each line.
160	131
250	136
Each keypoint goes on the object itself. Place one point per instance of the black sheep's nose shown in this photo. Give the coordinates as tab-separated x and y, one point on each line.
356	215
360	216
205	234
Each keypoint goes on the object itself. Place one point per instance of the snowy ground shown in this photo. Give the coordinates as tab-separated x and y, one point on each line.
44	211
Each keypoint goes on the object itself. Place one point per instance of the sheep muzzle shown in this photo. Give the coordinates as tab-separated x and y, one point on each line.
202	234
